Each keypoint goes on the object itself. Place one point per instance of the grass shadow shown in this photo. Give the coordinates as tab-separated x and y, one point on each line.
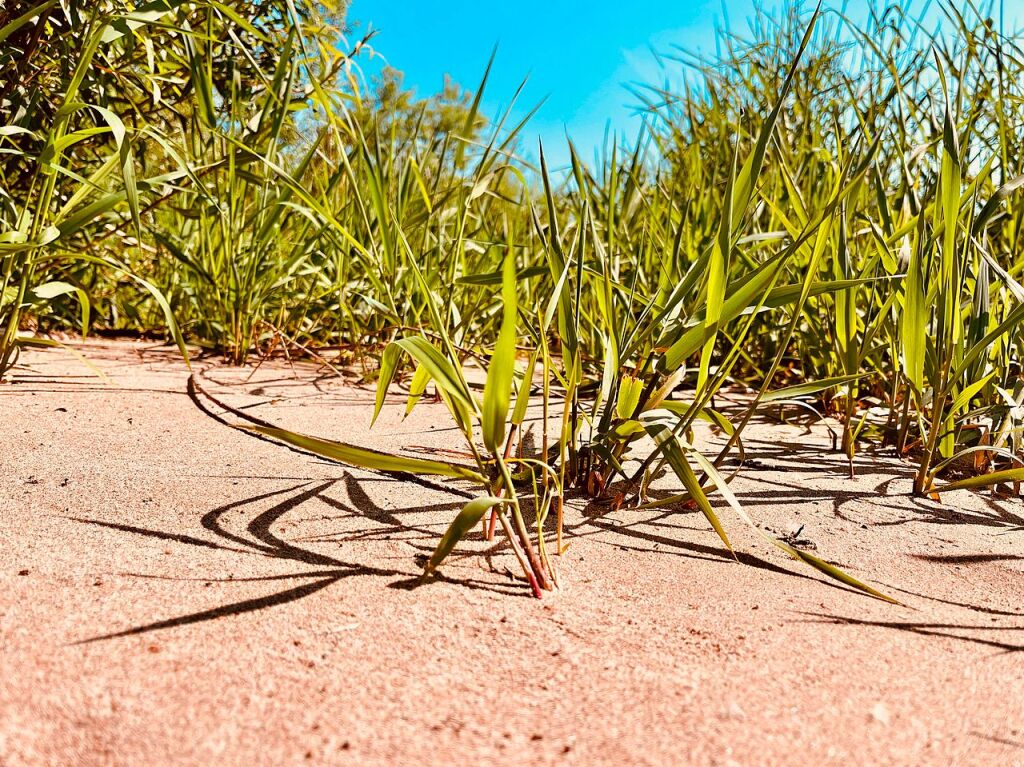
260	539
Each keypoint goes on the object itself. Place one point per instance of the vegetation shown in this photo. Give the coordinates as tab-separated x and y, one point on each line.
827	214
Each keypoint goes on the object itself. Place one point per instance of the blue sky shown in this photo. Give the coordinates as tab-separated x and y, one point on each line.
578	55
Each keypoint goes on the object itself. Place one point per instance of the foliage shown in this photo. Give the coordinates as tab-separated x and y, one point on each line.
826	213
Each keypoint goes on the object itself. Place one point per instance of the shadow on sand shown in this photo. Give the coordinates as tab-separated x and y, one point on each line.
260	539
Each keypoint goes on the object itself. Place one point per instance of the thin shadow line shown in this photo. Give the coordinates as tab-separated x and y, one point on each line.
178	538
237	608
943	630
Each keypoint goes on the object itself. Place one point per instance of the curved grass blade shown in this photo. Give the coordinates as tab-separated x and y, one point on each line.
832	571
681	466
368	459
464	521
440	368
816	562
984	480
418	385
386	374
523	394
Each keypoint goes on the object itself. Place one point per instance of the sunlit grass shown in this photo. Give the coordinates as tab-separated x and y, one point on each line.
826	214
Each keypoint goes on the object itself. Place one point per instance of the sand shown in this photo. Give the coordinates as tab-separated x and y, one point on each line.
177	592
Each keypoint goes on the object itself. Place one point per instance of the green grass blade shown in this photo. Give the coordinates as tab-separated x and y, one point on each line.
388	367
440	368
369	459
498	387
810	387
681	466
832	571
468	518
983	480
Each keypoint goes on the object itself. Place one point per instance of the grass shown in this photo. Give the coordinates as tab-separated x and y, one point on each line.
826	214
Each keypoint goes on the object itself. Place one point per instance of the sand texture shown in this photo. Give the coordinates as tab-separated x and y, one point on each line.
178	592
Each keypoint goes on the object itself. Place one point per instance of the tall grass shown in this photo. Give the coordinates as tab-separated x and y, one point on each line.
92	92
827	213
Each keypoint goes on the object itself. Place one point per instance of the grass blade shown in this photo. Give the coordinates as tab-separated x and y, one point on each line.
468	518
369	459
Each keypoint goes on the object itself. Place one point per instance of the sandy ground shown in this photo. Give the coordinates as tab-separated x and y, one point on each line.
176	592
